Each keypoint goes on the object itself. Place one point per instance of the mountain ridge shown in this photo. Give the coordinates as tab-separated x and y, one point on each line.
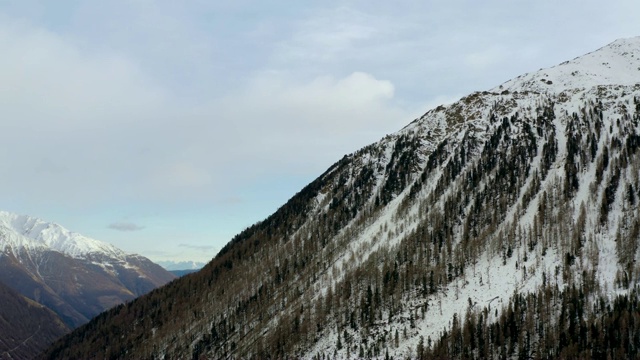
38	233
459	218
617	63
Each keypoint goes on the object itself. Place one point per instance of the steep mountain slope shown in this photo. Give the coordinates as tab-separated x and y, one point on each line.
75	276
459	218
26	327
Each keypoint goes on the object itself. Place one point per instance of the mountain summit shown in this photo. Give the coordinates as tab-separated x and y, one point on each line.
504	225
615	64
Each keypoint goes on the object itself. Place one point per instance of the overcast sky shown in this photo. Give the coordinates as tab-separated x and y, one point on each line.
166	127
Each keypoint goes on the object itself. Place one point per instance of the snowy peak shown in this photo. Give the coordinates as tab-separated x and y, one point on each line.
22	231
615	64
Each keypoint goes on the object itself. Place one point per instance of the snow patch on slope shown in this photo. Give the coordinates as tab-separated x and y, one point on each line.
617	63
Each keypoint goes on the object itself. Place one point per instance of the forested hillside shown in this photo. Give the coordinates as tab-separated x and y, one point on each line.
505	225
26	327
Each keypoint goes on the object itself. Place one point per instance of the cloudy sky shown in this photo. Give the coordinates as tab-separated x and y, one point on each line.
166	127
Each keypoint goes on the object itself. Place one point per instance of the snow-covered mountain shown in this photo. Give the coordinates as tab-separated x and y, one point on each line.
501	226
181	265
75	276
29	233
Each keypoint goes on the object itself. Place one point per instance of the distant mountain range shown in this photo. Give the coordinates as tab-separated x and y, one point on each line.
181	265
505	225
72	276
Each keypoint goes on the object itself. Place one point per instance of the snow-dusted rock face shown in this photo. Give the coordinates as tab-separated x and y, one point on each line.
75	276
615	64
521	197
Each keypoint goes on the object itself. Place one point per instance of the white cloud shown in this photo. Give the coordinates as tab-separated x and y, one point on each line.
203	248
85	127
51	83
346	38
329	35
324	103
281	125
175	178
74	121
125	226
487	57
